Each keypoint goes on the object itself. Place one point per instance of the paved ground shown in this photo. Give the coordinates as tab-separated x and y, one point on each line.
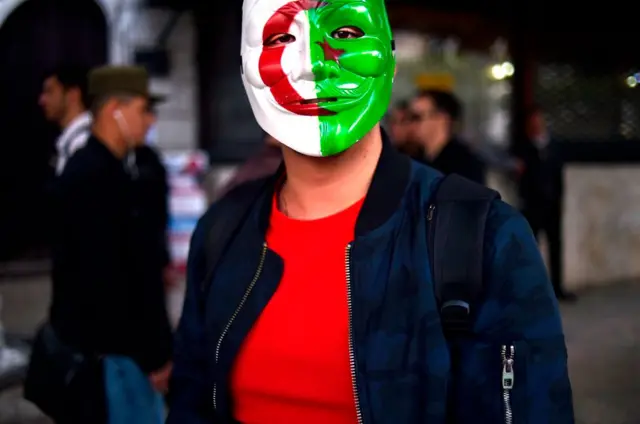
603	337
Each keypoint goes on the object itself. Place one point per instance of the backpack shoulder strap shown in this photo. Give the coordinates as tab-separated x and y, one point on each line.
456	227
224	222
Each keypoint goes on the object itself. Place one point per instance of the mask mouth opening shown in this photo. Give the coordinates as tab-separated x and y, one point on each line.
318	100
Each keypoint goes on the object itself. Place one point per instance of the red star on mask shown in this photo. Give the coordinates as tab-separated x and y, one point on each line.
329	52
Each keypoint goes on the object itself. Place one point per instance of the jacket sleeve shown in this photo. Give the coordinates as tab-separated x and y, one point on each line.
517	318
166	192
156	341
190	389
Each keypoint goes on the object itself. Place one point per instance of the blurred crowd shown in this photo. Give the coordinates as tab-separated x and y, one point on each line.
428	128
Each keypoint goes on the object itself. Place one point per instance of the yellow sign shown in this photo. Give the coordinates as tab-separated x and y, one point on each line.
427	81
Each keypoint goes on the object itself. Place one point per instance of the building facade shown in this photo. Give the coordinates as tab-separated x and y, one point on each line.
131	27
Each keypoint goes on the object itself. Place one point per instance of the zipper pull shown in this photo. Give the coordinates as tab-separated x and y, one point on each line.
507	367
430	212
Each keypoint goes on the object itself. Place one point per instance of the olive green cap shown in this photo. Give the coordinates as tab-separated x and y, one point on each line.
133	80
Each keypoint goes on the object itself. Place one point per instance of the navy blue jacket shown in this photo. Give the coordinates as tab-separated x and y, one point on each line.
401	360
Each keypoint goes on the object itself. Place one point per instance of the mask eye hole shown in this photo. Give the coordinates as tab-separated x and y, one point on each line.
277	40
347	32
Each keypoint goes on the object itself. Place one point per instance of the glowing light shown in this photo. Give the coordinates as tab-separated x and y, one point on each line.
632	81
502	71
497	72
508	69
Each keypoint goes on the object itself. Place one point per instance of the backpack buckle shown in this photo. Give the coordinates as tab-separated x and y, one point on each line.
456	318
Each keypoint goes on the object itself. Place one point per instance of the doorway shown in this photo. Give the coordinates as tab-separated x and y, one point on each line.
37	36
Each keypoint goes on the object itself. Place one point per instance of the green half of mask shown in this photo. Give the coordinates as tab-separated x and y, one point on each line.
352	59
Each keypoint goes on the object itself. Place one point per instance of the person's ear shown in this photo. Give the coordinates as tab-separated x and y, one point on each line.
110	107
74	94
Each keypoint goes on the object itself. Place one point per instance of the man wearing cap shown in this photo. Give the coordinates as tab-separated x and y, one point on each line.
106	300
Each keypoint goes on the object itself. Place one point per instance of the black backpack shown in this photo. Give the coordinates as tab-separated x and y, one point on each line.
456	224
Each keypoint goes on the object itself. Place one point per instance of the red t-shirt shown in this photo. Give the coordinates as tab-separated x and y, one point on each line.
293	367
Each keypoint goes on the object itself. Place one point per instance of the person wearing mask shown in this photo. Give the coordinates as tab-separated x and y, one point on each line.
435	116
64	101
107	302
541	189
320	307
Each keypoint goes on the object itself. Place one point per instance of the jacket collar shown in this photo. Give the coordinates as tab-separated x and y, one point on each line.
390	180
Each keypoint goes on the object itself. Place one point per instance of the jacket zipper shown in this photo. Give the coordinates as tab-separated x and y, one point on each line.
507	352
247	292
508	355
430	212
352	355
430	233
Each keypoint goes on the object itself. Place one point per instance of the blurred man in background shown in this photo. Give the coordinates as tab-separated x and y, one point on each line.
108	300
398	122
400	127
540	189
64	101
435	115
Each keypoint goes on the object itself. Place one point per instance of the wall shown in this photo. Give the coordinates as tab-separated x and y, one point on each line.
601	224
132	26
177	117
601	218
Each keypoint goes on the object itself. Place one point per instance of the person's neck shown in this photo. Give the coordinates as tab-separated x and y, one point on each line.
433	148
70	116
111	139
319	187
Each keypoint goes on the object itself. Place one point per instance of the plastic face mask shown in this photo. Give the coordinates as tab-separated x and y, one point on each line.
318	74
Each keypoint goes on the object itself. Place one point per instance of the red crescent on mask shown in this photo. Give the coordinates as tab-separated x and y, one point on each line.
270	63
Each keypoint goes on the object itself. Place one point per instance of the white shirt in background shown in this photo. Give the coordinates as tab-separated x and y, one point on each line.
72	138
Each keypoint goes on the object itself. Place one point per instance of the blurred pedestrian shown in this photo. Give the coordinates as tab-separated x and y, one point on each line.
436	116
399	122
64	100
399	130
108	309
541	191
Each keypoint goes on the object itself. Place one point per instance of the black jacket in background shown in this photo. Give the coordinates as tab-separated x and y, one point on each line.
108	298
541	182
457	158
151	200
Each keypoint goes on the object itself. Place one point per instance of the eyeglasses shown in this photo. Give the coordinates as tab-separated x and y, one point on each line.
416	117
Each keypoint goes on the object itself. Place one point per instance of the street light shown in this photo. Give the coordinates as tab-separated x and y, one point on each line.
502	71
632	81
